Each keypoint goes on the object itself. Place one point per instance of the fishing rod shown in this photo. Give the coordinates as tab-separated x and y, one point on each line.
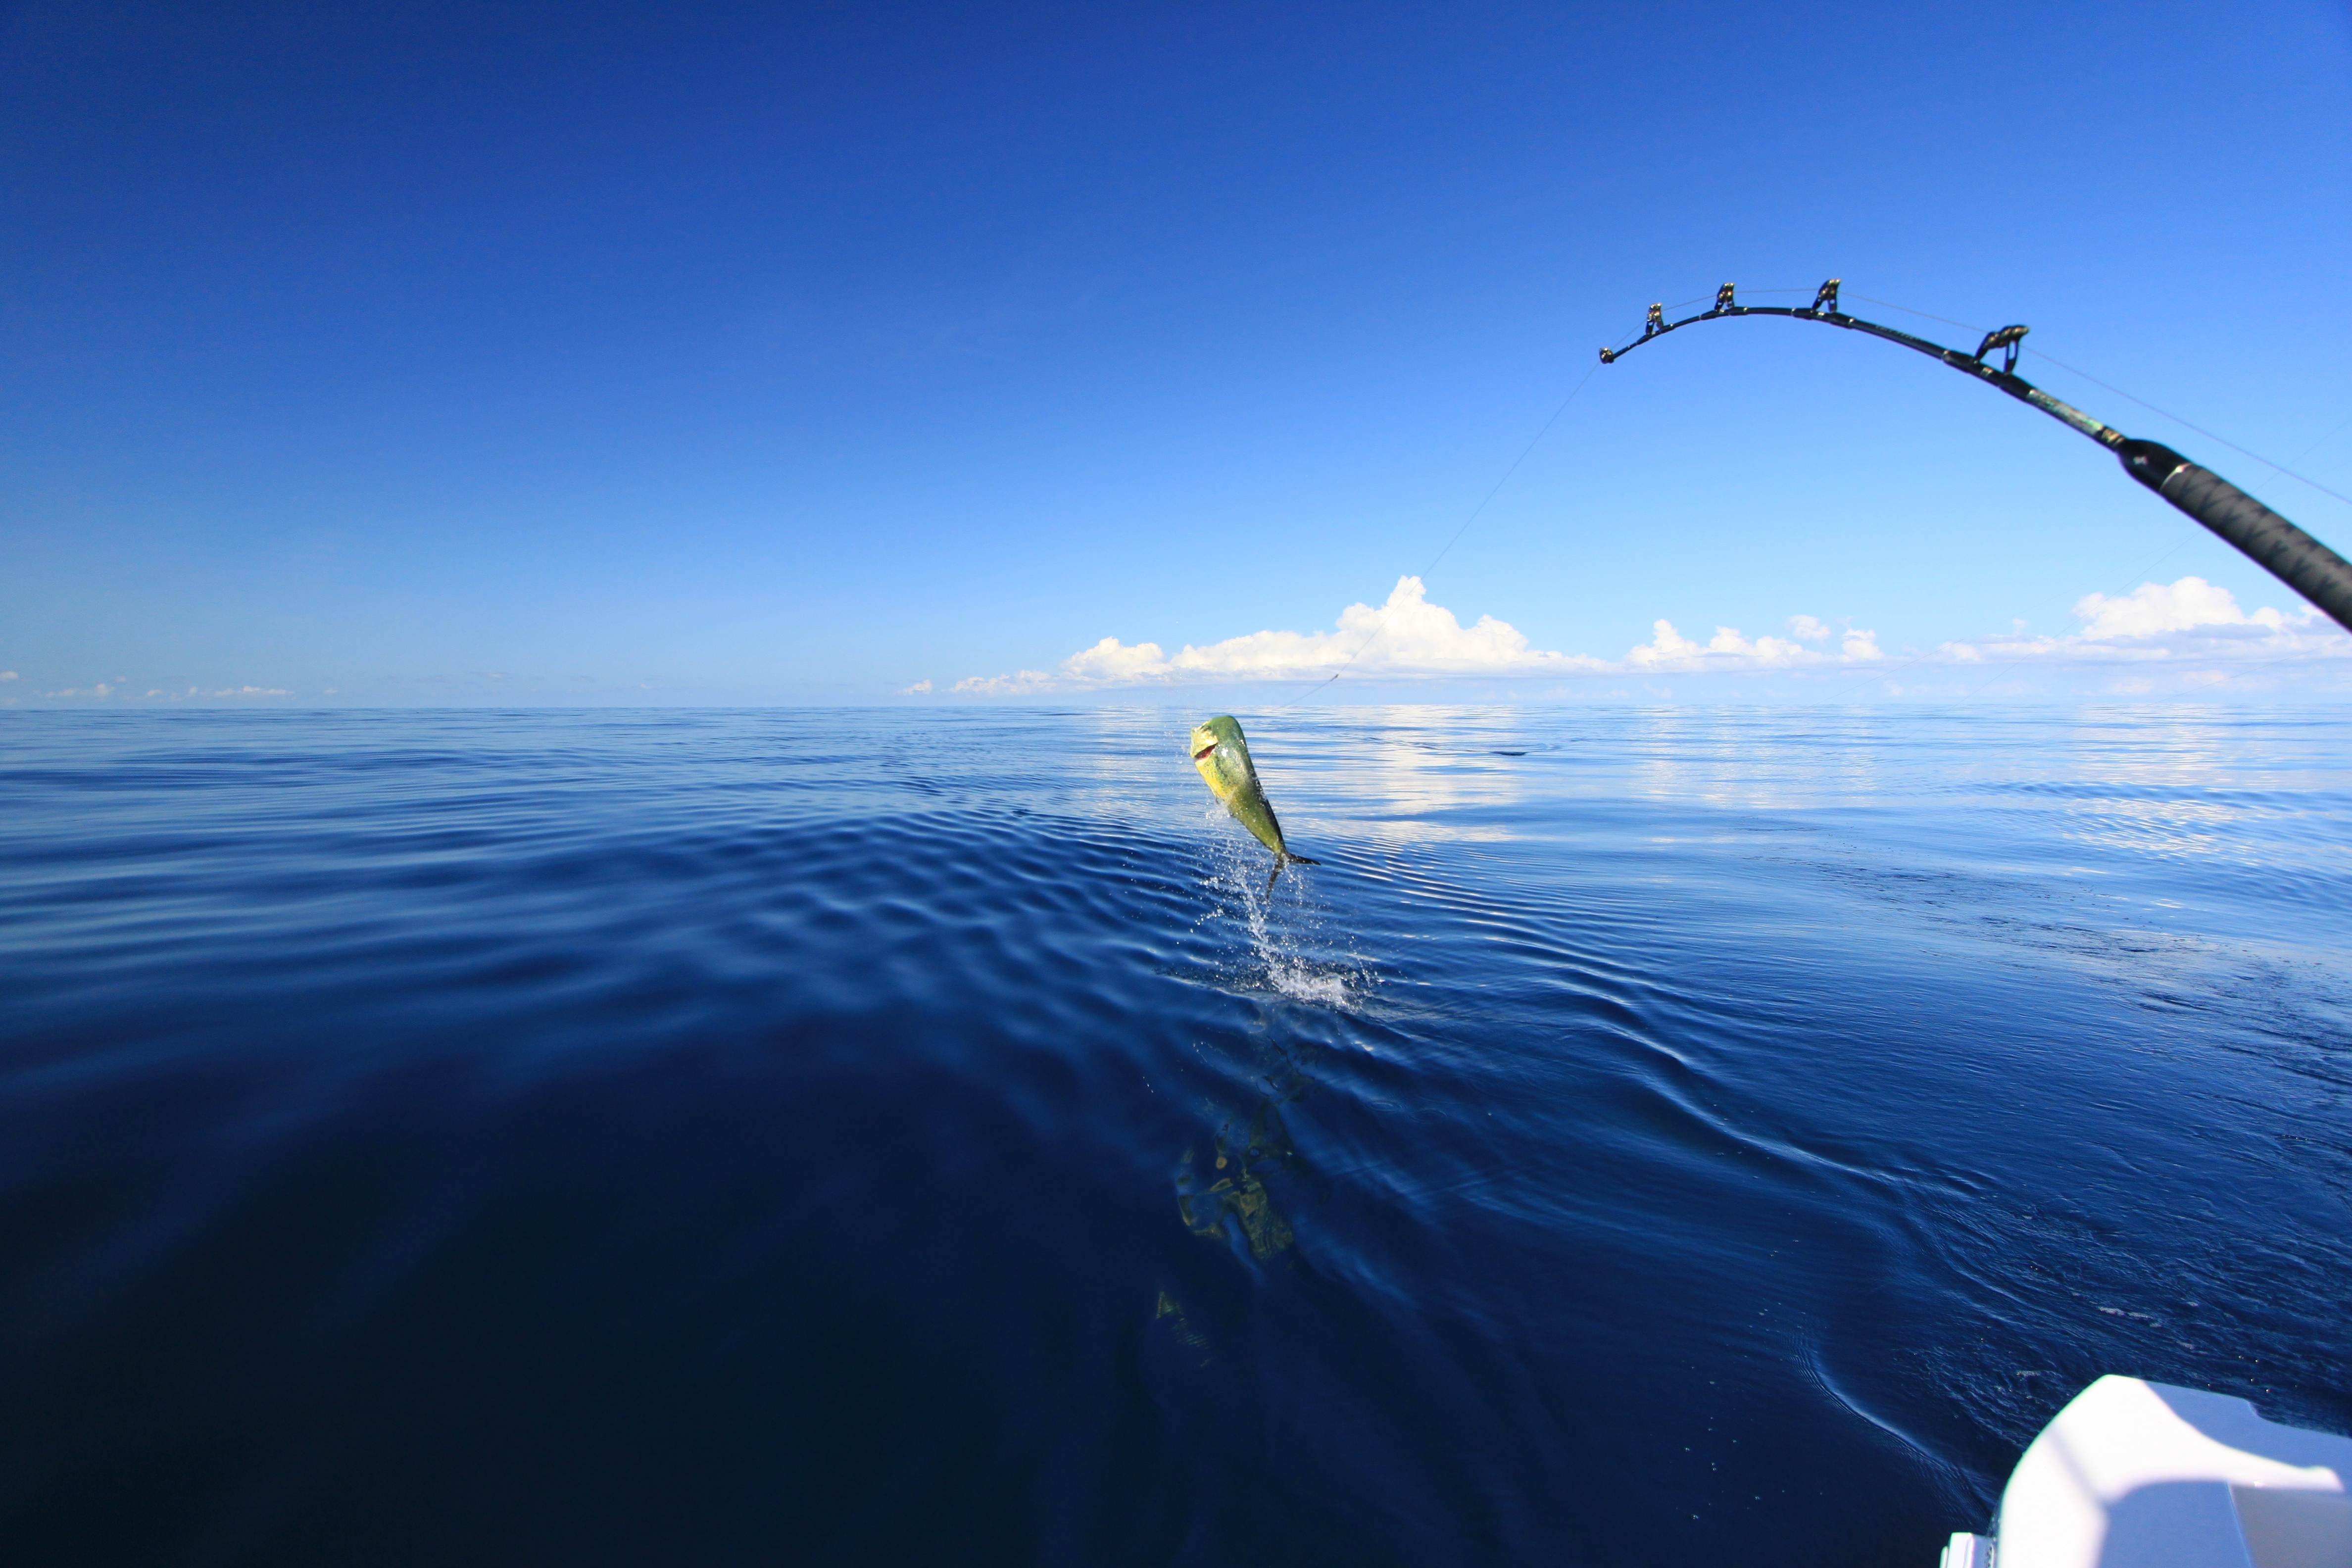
2273	544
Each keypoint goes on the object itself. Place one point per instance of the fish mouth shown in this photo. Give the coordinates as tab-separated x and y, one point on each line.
1204	750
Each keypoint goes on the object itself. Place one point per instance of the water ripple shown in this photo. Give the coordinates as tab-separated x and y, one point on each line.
1648	1135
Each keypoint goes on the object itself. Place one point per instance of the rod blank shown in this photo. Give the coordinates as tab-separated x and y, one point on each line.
2278	546
2270	541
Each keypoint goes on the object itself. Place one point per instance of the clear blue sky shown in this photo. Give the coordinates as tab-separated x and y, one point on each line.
550	353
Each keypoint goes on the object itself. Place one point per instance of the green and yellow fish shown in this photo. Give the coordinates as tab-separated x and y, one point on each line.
1223	759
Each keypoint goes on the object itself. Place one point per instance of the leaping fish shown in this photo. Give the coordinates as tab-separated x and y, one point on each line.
1223	759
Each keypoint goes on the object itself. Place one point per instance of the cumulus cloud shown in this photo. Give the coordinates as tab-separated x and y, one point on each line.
2190	619
252	691
1407	635
7	675
915	691
1111	659
2153	608
1728	648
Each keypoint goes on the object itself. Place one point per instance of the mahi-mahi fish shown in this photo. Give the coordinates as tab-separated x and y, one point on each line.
1223	759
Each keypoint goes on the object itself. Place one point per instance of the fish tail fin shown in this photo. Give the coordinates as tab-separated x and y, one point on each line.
1284	858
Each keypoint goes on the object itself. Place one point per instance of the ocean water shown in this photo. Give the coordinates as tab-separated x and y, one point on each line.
842	1136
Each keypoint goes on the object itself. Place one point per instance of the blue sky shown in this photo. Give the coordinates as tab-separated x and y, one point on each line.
503	353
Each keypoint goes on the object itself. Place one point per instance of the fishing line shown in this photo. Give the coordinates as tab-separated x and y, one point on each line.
2322	441
2280	469
2176	419
1381	623
2205	511
1977	688
2142	573
2166	555
1923	315
2287	552
2152	408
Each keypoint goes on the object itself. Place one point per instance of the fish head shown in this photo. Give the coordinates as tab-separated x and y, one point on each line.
1211	733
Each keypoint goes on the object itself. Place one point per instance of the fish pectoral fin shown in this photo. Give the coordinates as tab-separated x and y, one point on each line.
1299	859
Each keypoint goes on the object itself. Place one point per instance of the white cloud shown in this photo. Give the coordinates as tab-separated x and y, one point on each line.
1669	650
1406	637
1027	680
7	675
915	691
2190	619
1111	659
1411	637
1666	646
104	689
2152	608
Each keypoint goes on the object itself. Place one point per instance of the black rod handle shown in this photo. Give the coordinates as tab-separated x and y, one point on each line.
2273	544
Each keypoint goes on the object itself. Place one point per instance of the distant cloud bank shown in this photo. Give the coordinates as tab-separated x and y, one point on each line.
2188	620
1728	648
1409	637
107	689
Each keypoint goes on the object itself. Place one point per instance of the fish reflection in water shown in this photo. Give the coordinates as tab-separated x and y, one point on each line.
1224	1198
1229	1194
1171	1311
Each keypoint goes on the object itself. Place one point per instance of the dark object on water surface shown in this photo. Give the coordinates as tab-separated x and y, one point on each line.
2270	541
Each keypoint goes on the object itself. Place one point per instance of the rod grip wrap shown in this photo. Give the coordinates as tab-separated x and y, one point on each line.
2270	541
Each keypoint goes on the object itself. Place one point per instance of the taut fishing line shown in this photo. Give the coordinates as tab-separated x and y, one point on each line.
2152	408
2176	419
1380	623
2272	542
2303	562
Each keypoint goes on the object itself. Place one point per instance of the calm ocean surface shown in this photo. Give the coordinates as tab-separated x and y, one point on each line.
1650	1137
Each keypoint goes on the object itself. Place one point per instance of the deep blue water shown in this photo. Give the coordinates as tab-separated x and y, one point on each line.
1650	1137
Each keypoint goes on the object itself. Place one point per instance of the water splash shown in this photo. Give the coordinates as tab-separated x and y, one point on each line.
1734	1045
1283	922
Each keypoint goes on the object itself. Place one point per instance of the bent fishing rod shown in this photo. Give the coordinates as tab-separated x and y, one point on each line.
2273	544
